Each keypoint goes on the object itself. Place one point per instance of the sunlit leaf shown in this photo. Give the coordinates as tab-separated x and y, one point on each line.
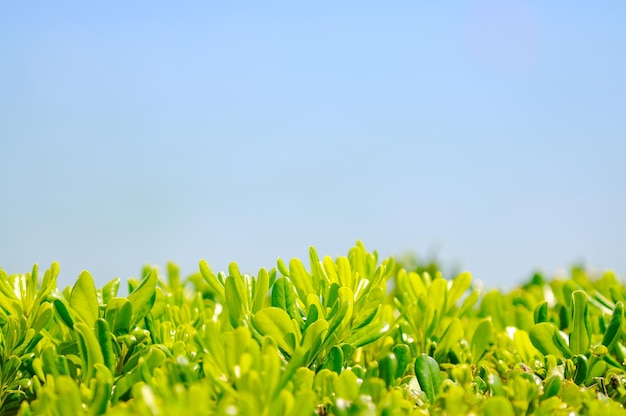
143	297
84	299
276	323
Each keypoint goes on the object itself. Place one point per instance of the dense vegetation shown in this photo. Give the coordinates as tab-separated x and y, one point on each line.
352	335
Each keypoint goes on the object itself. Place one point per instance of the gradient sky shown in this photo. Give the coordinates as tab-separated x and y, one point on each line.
492	133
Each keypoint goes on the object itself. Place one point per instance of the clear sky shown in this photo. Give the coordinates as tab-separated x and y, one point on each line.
490	132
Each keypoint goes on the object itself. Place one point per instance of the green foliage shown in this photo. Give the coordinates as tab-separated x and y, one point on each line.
347	336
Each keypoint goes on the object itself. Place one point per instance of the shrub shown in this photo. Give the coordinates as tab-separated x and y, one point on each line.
348	336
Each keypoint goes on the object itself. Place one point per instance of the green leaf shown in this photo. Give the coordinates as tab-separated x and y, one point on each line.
552	387
109	291
450	338
296	361
300	278
368	334
71	404
482	339
333	295
50	359
524	346
546	338
341	312
282	267
541	312
403	354
84	299
498	406
10	368
428	376
388	366
235	344
313	338
8	299
580	335
275	322
367	308
596	369
103	334
576	369
344	273
261	288
331	269
495	384
460	285
438	294
334	360
49	281
468	303
581	368
62	309
284	297
160	303
318	274
173	276
311	316
235	300
101	391
212	280
43	317
613	332
347	386
118	314
89	349
142	298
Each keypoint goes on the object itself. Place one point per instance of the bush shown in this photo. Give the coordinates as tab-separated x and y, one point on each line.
350	336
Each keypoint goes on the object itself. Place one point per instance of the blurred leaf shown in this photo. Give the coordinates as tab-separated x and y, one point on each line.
450	338
552	387
334	360
481	340
541	312
498	406
460	285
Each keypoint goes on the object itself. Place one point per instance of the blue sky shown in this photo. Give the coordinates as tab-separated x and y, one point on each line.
490	132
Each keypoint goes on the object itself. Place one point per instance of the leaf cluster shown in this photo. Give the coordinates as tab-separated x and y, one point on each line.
354	335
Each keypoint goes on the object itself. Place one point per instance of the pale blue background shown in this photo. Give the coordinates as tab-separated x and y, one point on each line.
492	133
